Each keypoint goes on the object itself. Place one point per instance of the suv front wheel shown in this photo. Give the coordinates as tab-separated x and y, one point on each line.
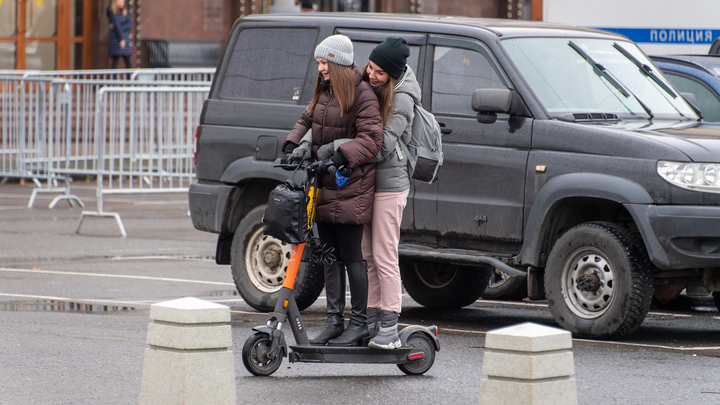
598	281
259	262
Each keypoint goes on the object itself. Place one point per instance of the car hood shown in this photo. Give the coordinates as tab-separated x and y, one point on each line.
699	141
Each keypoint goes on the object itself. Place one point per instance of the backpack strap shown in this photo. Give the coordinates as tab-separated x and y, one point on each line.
400	147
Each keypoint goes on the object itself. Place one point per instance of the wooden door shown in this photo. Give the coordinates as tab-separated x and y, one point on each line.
45	34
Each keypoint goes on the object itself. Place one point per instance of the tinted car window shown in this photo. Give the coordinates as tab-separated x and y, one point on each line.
707	99
457	72
269	64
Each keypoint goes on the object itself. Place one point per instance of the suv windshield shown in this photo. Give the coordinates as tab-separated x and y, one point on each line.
582	75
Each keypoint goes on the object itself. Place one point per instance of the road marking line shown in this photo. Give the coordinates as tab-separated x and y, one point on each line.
43	297
147	303
144	303
682	349
165	202
474	332
604	342
510	303
669	314
543	305
15	196
73	273
168	257
78	300
247	313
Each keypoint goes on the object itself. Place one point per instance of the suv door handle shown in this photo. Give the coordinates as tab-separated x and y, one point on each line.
443	130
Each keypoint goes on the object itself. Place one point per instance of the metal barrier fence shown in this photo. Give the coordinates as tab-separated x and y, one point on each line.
53	121
17	151
151	150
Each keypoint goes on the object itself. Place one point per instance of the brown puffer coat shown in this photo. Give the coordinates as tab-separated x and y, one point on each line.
351	203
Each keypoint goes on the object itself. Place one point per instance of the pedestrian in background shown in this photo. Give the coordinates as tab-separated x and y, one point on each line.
306	6
398	91
343	108
120	26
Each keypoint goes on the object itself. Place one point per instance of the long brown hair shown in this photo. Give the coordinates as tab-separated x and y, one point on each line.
385	96
342	79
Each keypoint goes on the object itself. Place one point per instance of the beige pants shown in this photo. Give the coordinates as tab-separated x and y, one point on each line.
380	249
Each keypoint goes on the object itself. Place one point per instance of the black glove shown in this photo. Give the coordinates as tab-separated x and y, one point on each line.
287	159
289	147
338	159
326	166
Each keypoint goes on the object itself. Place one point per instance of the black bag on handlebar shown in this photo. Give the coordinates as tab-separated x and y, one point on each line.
286	214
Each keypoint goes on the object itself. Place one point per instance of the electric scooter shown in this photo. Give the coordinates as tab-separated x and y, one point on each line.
263	352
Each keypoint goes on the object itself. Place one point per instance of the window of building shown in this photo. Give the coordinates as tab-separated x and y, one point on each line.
269	64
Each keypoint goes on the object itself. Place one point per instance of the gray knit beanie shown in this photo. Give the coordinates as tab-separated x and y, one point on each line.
337	49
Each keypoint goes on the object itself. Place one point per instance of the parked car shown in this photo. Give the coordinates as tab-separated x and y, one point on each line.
568	161
698	75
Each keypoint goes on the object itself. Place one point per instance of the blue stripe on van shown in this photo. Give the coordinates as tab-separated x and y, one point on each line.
668	35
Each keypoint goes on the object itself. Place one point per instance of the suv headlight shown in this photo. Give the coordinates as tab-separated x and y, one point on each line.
691	176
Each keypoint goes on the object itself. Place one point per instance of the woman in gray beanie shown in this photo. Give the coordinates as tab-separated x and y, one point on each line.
344	107
398	90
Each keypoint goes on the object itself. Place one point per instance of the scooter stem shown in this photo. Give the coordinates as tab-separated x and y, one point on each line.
293	266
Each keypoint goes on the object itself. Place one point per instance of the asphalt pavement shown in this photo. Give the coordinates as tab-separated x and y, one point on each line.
74	314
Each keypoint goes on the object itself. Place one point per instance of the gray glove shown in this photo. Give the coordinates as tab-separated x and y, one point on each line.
326	151
302	152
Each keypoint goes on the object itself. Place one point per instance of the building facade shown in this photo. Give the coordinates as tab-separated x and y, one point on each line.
73	34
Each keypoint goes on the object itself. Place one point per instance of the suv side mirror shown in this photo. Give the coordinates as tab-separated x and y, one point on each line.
489	102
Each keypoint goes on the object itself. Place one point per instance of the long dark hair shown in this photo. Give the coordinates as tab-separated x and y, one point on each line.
342	79
385	97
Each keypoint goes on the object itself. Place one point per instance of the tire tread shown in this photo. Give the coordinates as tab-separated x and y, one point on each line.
641	286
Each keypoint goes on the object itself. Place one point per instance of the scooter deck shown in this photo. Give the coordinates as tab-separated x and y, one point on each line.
352	354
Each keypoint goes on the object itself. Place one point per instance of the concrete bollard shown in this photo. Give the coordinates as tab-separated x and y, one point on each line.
188	361
528	364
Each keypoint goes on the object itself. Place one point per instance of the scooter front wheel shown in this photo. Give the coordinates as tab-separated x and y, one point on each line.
423	343
257	356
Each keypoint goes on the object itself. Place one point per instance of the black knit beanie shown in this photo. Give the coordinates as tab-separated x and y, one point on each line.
391	56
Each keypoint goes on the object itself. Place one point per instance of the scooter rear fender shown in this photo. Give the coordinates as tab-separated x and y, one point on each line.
430	331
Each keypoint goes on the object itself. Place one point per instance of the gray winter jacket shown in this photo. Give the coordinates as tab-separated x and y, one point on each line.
392	173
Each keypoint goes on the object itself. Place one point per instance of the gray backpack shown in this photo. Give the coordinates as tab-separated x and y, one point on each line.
424	149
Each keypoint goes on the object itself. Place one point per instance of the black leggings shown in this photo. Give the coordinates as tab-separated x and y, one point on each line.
345	238
116	60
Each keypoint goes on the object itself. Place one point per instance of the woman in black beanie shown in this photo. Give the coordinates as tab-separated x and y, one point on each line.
398	91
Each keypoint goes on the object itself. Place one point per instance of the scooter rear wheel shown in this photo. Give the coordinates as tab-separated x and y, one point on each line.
257	358
422	342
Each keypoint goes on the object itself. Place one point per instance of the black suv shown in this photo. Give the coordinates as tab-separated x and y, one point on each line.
569	159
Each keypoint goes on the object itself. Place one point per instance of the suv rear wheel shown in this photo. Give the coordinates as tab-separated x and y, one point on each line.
442	285
259	263
504	287
598	281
